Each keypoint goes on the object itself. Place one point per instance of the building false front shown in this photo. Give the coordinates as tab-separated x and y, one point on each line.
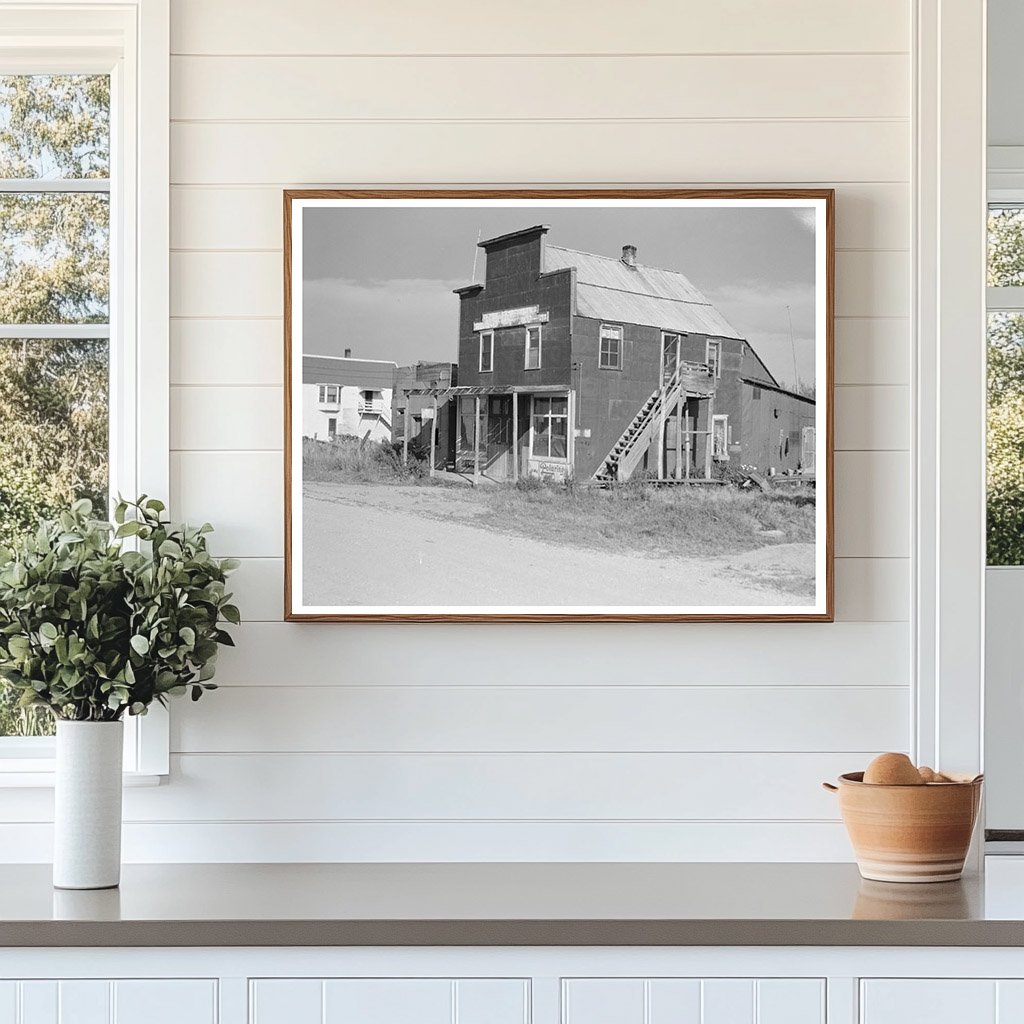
574	364
345	397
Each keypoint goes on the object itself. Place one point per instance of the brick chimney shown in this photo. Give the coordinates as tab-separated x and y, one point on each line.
629	255
348	353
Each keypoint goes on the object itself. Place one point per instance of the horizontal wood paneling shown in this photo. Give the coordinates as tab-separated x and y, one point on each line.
538	88
227	353
798	92
232	284
607	786
868	216
730	152
873	283
582	654
241	493
353	717
237	418
326	841
533	26
867	589
872	589
872	351
872	418
872	504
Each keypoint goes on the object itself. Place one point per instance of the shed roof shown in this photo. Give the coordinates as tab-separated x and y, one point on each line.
607	289
359	373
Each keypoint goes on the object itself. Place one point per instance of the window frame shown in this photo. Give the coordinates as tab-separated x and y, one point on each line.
723	418
540	347
717	344
601	365
550	417
129	42
490	352
324	396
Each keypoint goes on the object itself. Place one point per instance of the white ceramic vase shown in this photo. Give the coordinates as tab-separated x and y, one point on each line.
87	807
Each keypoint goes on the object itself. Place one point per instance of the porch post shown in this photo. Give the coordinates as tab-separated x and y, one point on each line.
570	434
679	440
476	439
661	437
433	436
405	433
711	438
515	437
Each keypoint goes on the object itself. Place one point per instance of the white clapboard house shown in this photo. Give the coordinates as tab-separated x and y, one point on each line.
342	396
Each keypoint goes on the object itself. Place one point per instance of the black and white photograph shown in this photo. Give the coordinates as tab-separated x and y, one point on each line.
510	405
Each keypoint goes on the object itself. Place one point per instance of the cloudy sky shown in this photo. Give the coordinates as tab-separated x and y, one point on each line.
379	281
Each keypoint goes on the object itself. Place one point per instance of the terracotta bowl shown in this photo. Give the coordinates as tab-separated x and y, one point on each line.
909	833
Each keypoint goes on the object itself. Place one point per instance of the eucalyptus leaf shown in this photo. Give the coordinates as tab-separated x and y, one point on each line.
92	631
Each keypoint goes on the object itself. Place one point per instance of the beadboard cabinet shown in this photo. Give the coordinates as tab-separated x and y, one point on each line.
513	985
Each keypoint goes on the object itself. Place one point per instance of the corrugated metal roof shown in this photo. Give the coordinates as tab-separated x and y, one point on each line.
365	373
606	289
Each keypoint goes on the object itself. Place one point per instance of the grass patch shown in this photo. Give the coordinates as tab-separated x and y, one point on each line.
688	522
348	460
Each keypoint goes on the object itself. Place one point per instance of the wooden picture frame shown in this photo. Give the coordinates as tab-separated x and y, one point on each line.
552	407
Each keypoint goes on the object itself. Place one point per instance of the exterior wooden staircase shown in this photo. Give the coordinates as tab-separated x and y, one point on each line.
689	379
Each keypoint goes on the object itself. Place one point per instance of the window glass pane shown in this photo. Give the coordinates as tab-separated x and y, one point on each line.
53	449
1005	246
558	447
54	258
560	406
54	126
1006	439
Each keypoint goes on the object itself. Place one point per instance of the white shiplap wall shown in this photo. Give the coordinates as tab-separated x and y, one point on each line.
539	742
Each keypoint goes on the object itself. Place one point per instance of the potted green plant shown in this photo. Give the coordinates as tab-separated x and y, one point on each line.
99	620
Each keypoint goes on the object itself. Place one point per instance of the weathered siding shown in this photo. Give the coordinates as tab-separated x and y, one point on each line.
772	425
606	400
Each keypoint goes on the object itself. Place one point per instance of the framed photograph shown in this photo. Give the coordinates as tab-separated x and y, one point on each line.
558	405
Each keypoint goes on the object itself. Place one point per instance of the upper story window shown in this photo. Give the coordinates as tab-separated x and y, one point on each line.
714	358
610	352
486	351
533	348
1005	477
83	272
330	394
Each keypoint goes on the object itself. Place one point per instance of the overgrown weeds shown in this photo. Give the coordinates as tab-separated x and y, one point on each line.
351	460
693	522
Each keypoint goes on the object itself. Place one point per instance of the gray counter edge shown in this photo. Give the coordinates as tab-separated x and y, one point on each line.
251	933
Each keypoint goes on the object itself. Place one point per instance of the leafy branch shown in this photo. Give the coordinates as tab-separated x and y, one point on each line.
91	629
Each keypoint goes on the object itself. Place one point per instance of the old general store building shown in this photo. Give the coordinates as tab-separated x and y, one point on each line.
592	366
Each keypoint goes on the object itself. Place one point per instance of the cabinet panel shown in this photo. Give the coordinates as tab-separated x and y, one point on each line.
8	1002
388	1001
674	1001
492	1002
935	1001
165	1002
84	1002
285	1001
693	1001
727	1001
39	1003
603	1001
789	1001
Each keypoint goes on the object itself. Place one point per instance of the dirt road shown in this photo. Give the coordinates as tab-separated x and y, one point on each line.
373	545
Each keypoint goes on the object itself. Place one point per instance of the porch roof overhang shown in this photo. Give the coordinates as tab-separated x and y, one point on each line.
469	390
